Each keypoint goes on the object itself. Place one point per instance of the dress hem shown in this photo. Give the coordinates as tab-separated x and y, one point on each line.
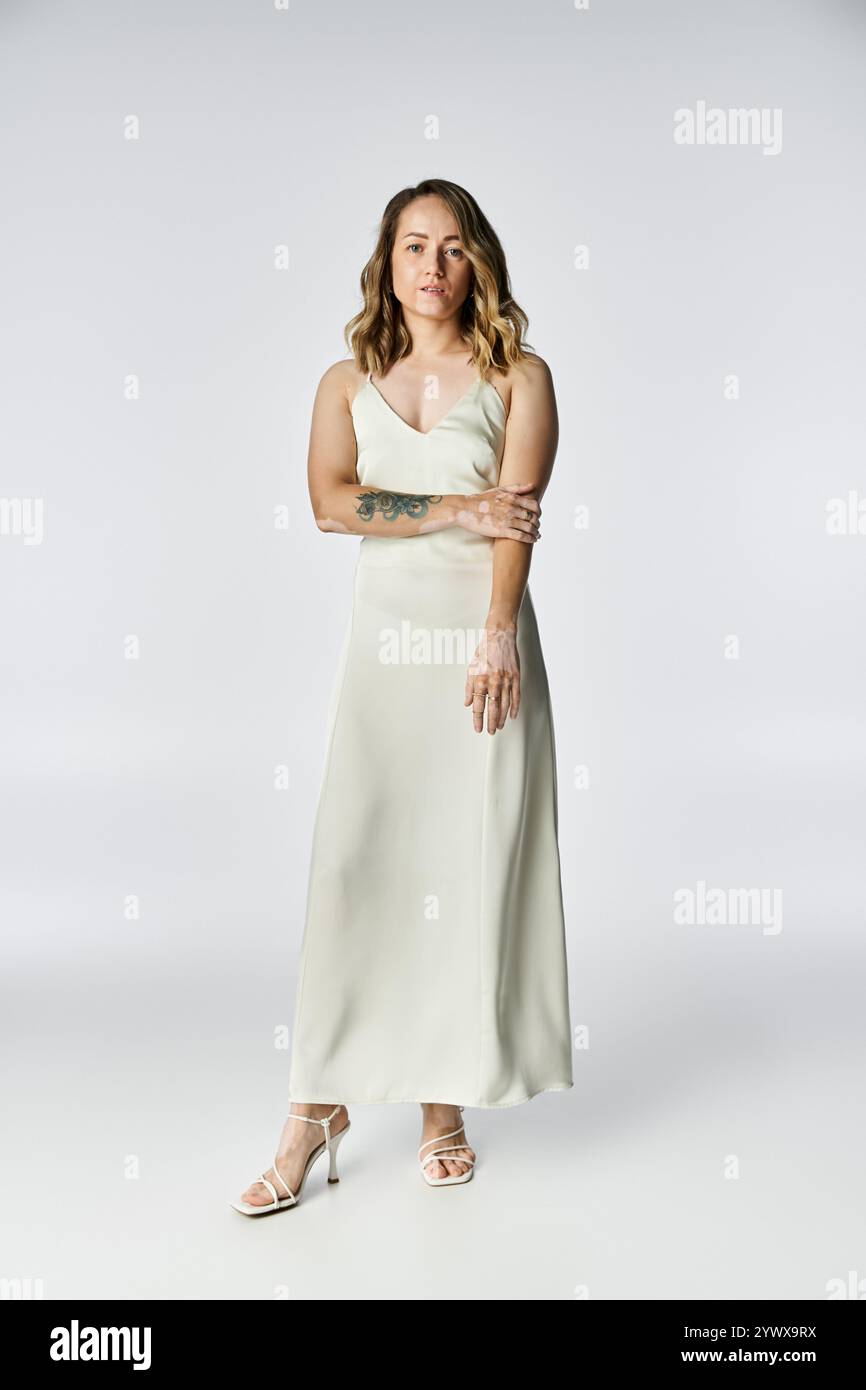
410	1100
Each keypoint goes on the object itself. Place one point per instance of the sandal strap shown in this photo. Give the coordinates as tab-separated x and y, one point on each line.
273	1190
325	1123
452	1158
453	1150
446	1149
439	1137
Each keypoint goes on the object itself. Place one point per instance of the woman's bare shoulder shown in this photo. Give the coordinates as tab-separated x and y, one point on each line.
531	374
341	379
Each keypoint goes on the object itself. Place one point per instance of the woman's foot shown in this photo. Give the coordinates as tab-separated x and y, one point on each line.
297	1142
438	1120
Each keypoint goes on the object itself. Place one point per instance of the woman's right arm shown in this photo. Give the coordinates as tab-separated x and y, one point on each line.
343	505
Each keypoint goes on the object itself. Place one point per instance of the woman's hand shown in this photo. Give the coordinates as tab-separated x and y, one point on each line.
494	677
510	512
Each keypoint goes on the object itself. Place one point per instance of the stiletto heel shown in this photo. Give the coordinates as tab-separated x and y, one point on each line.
333	1175
330	1146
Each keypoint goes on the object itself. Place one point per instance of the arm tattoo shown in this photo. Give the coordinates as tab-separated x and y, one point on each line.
394	504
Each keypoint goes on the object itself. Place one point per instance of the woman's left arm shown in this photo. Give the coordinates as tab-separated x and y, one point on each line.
531	439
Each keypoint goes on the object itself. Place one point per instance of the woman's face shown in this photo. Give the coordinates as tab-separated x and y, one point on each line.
432	276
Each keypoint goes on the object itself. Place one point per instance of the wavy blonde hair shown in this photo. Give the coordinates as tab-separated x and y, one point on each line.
492	323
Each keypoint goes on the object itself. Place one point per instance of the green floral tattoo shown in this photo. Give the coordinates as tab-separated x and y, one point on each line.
394	504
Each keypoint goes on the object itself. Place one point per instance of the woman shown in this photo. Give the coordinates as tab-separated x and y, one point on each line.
433	964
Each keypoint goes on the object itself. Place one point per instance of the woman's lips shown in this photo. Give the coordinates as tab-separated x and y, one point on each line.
431	289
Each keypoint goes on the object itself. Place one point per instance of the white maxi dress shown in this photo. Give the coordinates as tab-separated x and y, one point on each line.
433	958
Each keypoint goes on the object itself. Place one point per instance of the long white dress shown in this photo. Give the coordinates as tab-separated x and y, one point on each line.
433	960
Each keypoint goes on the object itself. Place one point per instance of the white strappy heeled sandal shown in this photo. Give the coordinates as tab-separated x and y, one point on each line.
449	1150
330	1145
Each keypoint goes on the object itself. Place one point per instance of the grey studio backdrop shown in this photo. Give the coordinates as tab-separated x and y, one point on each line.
190	192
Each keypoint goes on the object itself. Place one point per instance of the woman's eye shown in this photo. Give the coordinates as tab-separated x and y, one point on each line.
416	246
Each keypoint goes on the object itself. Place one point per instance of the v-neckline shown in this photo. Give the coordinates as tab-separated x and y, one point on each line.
425	434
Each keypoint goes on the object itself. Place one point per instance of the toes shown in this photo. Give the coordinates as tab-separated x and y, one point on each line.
257	1194
456	1167
451	1167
